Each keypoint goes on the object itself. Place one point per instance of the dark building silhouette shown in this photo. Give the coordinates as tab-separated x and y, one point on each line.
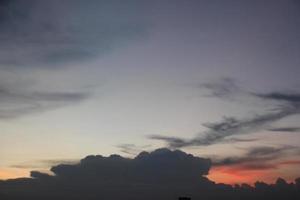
184	198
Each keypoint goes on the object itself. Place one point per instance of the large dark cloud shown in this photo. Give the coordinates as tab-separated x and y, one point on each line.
34	32
162	174
161	165
159	173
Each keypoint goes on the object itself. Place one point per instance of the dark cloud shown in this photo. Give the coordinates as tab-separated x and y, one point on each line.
222	88
229	88
51	32
230	140
229	126
285	129
258	158
161	174
37	34
15	102
288	104
278	96
39	175
173	142
161	165
179	141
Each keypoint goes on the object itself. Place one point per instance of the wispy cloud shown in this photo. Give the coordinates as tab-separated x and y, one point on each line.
222	88
285	129
280	96
260	158
45	35
15	102
229	126
175	142
288	104
53	32
132	149
44	164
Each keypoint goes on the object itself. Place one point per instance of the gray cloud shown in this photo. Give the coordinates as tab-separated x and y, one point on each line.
279	96
285	129
229	88
262	157
37	34
230	140
15	102
173	142
51	32
222	88
132	149
44	163
229	126
289	104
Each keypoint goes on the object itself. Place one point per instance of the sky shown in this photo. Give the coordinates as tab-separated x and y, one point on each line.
217	79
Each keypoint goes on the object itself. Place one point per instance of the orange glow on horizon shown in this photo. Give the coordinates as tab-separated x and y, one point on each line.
237	174
234	175
11	173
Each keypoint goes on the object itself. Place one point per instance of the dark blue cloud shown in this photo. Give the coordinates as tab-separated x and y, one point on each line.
161	165
53	32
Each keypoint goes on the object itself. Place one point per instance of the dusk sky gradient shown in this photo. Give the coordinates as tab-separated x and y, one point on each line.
217	79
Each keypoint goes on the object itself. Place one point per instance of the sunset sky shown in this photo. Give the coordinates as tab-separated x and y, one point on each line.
217	79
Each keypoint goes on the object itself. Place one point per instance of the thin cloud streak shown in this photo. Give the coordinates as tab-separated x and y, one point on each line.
132	149
279	96
261	157
15	103
286	129
229	126
289	104
223	88
37	164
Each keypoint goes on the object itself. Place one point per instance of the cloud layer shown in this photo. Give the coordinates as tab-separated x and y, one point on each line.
161	174
52	32
260	158
285	105
15	102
